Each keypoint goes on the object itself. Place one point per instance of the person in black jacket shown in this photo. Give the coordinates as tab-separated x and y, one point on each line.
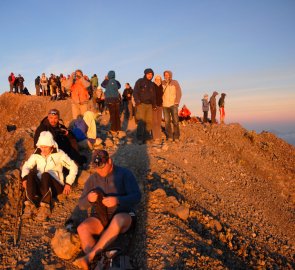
37	85
63	137
157	113
127	101
221	108
145	101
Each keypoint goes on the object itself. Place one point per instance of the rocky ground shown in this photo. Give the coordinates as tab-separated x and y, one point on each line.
221	198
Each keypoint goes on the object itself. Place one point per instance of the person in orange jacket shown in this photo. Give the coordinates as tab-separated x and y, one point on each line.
79	93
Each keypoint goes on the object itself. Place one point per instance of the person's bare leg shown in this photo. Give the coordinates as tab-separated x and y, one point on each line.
86	230
120	223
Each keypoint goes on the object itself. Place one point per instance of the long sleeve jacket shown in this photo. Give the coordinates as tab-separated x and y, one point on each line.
53	164
120	183
178	92
144	92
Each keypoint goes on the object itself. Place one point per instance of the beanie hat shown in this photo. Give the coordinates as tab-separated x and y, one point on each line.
46	139
148	70
99	158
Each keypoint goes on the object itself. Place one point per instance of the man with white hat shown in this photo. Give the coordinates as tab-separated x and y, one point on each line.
43	177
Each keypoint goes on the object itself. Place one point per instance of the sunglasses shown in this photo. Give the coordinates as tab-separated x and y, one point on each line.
100	162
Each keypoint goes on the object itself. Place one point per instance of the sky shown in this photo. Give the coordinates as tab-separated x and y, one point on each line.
245	49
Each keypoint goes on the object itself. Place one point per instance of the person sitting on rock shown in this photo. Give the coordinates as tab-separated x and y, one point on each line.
64	138
84	130
184	114
43	178
112	192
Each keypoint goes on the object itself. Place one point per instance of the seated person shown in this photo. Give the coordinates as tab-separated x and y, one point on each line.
115	189
63	137
184	114
43	177
84	130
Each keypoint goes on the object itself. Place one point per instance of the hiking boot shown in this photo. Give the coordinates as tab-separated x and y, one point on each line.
43	212
29	210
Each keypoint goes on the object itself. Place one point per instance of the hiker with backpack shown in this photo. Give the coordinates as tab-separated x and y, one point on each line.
113	100
112	193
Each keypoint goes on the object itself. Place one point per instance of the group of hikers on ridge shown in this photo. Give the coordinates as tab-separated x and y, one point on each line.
162	97
53	167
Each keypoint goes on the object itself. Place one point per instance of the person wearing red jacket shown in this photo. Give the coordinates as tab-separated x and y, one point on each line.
184	114
11	80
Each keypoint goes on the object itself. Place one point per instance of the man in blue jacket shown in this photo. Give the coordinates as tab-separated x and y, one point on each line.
112	192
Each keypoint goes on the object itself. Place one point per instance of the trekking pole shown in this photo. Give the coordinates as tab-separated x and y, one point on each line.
18	211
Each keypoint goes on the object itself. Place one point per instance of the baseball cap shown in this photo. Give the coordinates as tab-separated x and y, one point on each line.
99	158
54	112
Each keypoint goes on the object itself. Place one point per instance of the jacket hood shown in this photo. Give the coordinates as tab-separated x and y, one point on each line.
148	70
111	74
168	71
46	139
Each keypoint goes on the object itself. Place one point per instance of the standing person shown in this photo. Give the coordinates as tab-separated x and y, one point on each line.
94	82
16	85
205	108
98	99
158	111
11	80
116	190
145	101
37	85
79	93
213	107
127	101
112	99
171	99
47	179
44	84
20	83
221	108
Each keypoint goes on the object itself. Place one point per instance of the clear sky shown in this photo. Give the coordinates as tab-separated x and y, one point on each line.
243	48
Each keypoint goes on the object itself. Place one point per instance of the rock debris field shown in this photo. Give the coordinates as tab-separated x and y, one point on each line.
221	198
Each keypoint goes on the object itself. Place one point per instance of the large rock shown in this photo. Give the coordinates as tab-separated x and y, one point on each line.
65	244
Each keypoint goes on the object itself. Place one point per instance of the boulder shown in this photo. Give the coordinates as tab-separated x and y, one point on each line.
65	244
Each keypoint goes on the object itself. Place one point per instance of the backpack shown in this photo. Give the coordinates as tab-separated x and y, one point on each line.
112	259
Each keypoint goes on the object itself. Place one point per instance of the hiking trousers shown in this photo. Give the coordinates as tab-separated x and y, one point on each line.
42	190
144	116
113	105
171	119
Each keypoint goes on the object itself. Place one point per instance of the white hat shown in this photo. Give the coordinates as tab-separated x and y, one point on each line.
46	139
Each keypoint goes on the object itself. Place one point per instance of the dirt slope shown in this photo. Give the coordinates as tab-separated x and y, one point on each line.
222	198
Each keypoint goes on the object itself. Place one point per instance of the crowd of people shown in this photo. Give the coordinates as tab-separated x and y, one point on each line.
111	191
148	102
